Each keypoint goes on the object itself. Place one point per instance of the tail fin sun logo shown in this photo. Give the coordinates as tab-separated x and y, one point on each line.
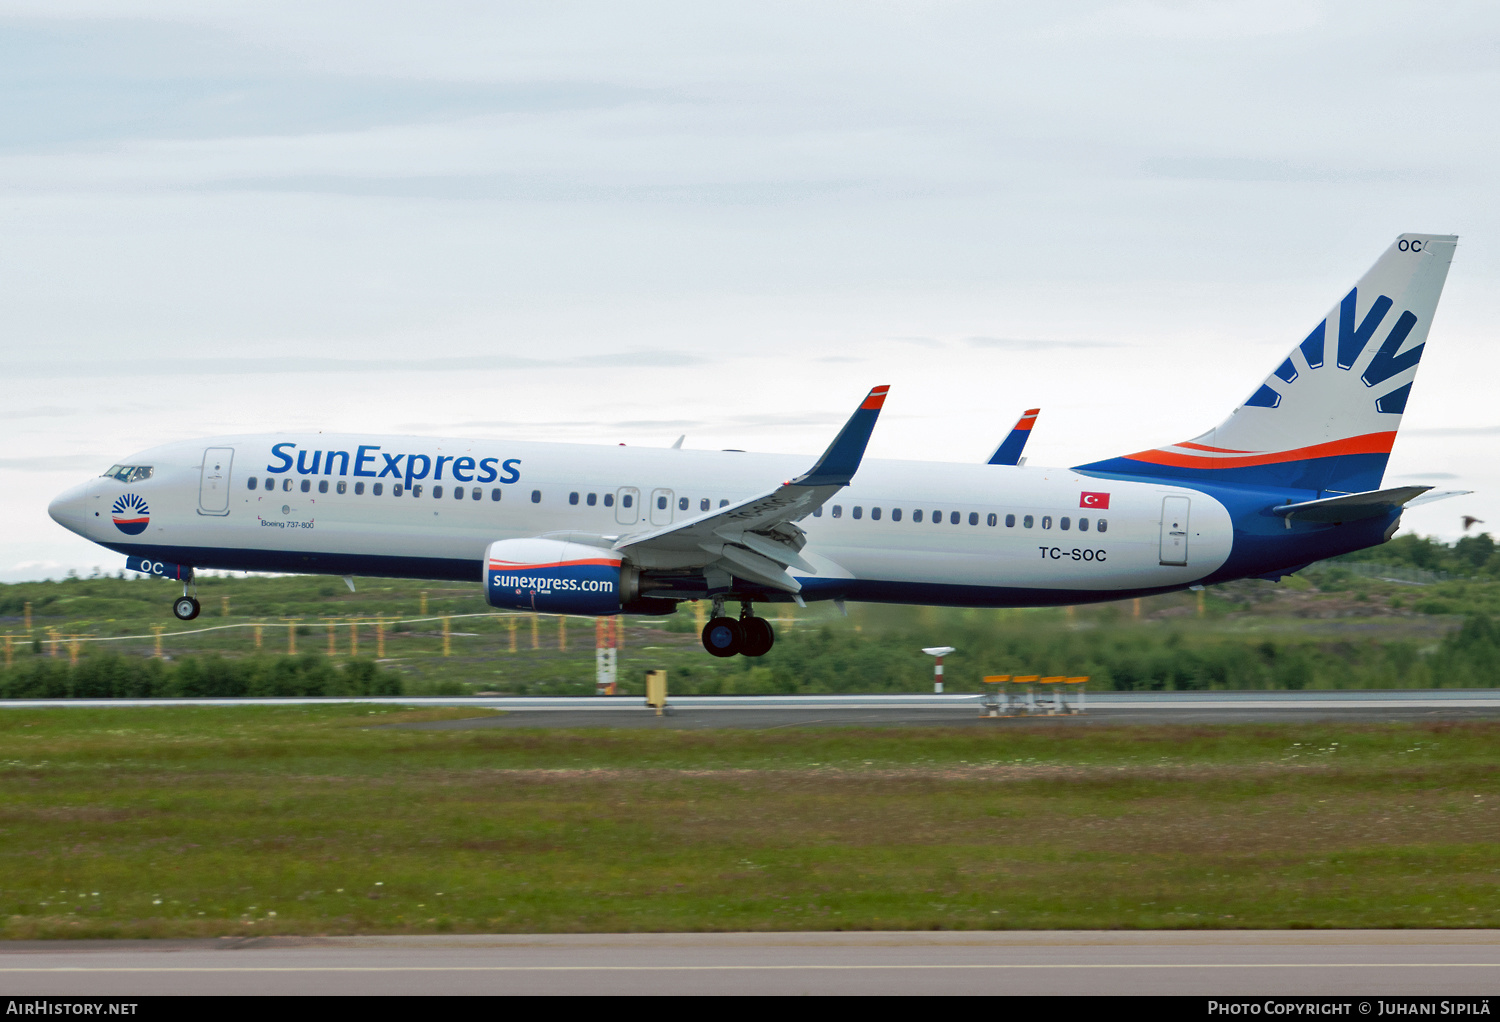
1353	341
131	514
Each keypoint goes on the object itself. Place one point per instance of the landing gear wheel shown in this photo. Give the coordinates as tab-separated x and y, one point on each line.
723	636
186	608
759	638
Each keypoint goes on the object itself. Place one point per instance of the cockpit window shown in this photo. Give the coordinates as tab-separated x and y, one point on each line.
129	473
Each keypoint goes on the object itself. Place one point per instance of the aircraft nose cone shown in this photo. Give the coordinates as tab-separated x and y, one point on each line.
70	508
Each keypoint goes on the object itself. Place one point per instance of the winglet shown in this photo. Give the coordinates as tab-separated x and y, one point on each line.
1009	451
839	463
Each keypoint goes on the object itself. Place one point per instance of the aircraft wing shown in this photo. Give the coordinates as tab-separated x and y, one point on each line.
758	539
1351	507
1009	451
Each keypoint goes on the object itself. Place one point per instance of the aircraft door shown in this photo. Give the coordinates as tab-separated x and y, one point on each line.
1174	530
213	485
627	505
661	507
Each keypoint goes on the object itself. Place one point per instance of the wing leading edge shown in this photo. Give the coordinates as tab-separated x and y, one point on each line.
758	539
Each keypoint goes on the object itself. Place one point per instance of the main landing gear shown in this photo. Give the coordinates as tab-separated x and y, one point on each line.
749	636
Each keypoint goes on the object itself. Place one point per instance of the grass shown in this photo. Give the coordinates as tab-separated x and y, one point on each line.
196	821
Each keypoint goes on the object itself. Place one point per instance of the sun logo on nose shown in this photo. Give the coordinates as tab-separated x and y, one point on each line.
131	514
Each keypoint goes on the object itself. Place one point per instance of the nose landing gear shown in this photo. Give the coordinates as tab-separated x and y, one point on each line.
749	636
186	607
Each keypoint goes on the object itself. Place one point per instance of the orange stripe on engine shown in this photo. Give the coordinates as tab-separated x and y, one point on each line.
519	566
1370	443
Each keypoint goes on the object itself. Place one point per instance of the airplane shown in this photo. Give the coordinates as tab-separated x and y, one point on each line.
1292	476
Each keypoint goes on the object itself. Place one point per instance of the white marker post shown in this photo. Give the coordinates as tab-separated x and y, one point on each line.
937	670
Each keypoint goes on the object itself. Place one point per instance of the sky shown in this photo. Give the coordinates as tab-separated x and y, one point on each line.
606	222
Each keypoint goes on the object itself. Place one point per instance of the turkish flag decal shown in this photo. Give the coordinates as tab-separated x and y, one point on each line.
1097	501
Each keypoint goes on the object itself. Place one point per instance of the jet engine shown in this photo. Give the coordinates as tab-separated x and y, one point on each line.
555	576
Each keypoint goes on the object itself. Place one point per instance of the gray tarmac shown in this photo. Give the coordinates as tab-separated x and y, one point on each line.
1356	963
906	710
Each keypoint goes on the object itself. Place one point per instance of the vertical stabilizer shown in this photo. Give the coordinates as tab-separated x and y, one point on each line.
1326	417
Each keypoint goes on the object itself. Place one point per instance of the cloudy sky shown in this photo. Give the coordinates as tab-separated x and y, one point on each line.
619	222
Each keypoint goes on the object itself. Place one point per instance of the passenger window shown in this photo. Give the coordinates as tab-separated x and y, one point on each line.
818	511
626	500
1046	521
682	503
874	514
397	489
477	494
703	504
937	518
895	514
437	492
916	515
1103	525
992	520
250	483
1083	525
591	500
495	493
661	503
1064	523
376	489
458	493
307	486
1027	522
286	486
1010	521
974	518
359	489
723	503
954	518
322	485
416	491
573	497
609	500
859	512
536	496
838	510
343	486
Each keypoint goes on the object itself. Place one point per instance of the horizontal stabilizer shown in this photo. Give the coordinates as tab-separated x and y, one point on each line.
1428	498
1351	507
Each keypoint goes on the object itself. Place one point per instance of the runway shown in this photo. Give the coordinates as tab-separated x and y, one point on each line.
1358	963
922	709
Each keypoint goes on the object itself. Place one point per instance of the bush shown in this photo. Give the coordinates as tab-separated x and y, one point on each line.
111	676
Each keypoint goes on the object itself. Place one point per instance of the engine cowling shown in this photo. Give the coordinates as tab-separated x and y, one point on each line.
557	577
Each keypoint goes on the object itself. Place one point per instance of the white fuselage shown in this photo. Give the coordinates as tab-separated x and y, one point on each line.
1022	535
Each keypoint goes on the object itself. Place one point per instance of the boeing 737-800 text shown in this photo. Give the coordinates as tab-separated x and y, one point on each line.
1292	476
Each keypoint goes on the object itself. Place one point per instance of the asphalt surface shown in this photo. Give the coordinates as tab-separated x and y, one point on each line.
1358	963
912	709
